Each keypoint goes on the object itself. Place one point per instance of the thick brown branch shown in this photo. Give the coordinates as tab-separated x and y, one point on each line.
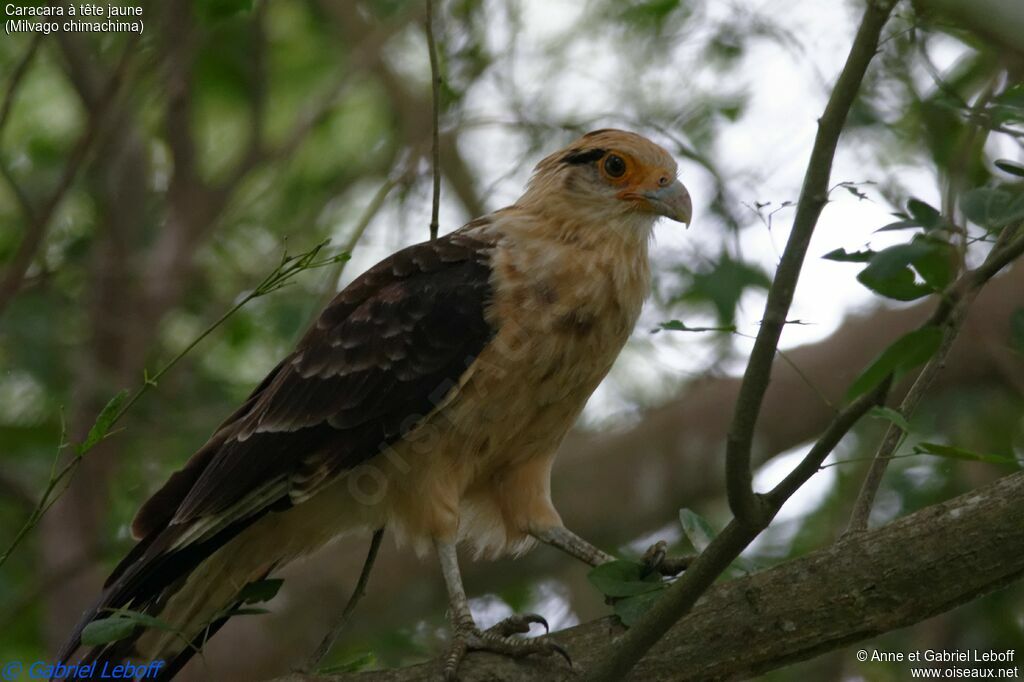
928	563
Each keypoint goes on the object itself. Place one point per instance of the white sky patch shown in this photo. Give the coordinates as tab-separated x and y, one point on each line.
810	496
548	597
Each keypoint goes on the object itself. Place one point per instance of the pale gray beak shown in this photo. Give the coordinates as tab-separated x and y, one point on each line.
672	201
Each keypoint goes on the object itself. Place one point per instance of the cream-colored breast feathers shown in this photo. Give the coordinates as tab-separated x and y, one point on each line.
565	302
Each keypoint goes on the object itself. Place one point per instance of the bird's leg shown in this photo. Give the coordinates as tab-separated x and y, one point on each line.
655	559
466	636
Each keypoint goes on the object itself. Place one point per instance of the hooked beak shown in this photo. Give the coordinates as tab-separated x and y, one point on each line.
671	201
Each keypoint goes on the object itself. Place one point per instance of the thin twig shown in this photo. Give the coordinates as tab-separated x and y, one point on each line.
61	478
954	308
745	505
361	57
357	594
16	77
435	85
753	512
39	220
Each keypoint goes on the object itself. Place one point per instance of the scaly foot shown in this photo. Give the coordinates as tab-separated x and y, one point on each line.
499	639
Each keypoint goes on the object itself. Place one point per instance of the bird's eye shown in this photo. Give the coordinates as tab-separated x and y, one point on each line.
614	166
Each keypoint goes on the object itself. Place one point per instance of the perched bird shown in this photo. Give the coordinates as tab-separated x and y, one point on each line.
428	398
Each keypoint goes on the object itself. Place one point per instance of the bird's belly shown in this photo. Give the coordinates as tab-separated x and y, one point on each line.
478	467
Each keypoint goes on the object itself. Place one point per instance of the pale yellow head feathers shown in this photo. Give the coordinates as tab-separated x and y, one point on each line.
613	173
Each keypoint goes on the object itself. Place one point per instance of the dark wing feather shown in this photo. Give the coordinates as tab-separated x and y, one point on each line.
376	357
382	353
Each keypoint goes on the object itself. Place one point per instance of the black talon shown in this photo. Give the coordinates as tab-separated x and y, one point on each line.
560	650
538	619
518	624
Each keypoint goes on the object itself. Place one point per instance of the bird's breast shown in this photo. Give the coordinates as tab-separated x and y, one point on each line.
562	315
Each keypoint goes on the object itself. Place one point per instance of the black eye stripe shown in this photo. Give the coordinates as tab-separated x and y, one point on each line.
582	156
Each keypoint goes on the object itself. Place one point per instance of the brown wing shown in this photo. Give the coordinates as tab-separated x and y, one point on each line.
385	350
382	354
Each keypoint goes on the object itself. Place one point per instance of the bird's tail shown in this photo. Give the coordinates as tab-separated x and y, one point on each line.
161	606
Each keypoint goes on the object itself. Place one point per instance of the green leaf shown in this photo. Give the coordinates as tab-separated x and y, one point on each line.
1017	330
890	415
107	630
698	531
856	257
928	216
900	225
679	326
631	609
145	620
1010	167
260	591
953	452
907	352
621	578
1008	106
653	12
723	285
900	285
890	271
993	207
105	420
355	664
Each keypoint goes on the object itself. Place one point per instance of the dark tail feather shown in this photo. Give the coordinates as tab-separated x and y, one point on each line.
143	582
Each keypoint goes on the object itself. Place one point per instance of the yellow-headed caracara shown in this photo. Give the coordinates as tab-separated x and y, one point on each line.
429	398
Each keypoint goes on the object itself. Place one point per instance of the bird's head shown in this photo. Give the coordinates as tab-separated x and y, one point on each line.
610	173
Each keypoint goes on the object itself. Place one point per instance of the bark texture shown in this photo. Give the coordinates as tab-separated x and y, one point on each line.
914	568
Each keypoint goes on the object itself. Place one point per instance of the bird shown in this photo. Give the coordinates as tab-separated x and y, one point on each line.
429	397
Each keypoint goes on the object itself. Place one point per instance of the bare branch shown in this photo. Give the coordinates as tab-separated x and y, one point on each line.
39	220
16	77
358	593
435	87
813	197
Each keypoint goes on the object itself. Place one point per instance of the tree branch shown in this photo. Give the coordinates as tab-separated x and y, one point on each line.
950	315
928	562
435	101
16	76
39	220
357	594
813	197
752	512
